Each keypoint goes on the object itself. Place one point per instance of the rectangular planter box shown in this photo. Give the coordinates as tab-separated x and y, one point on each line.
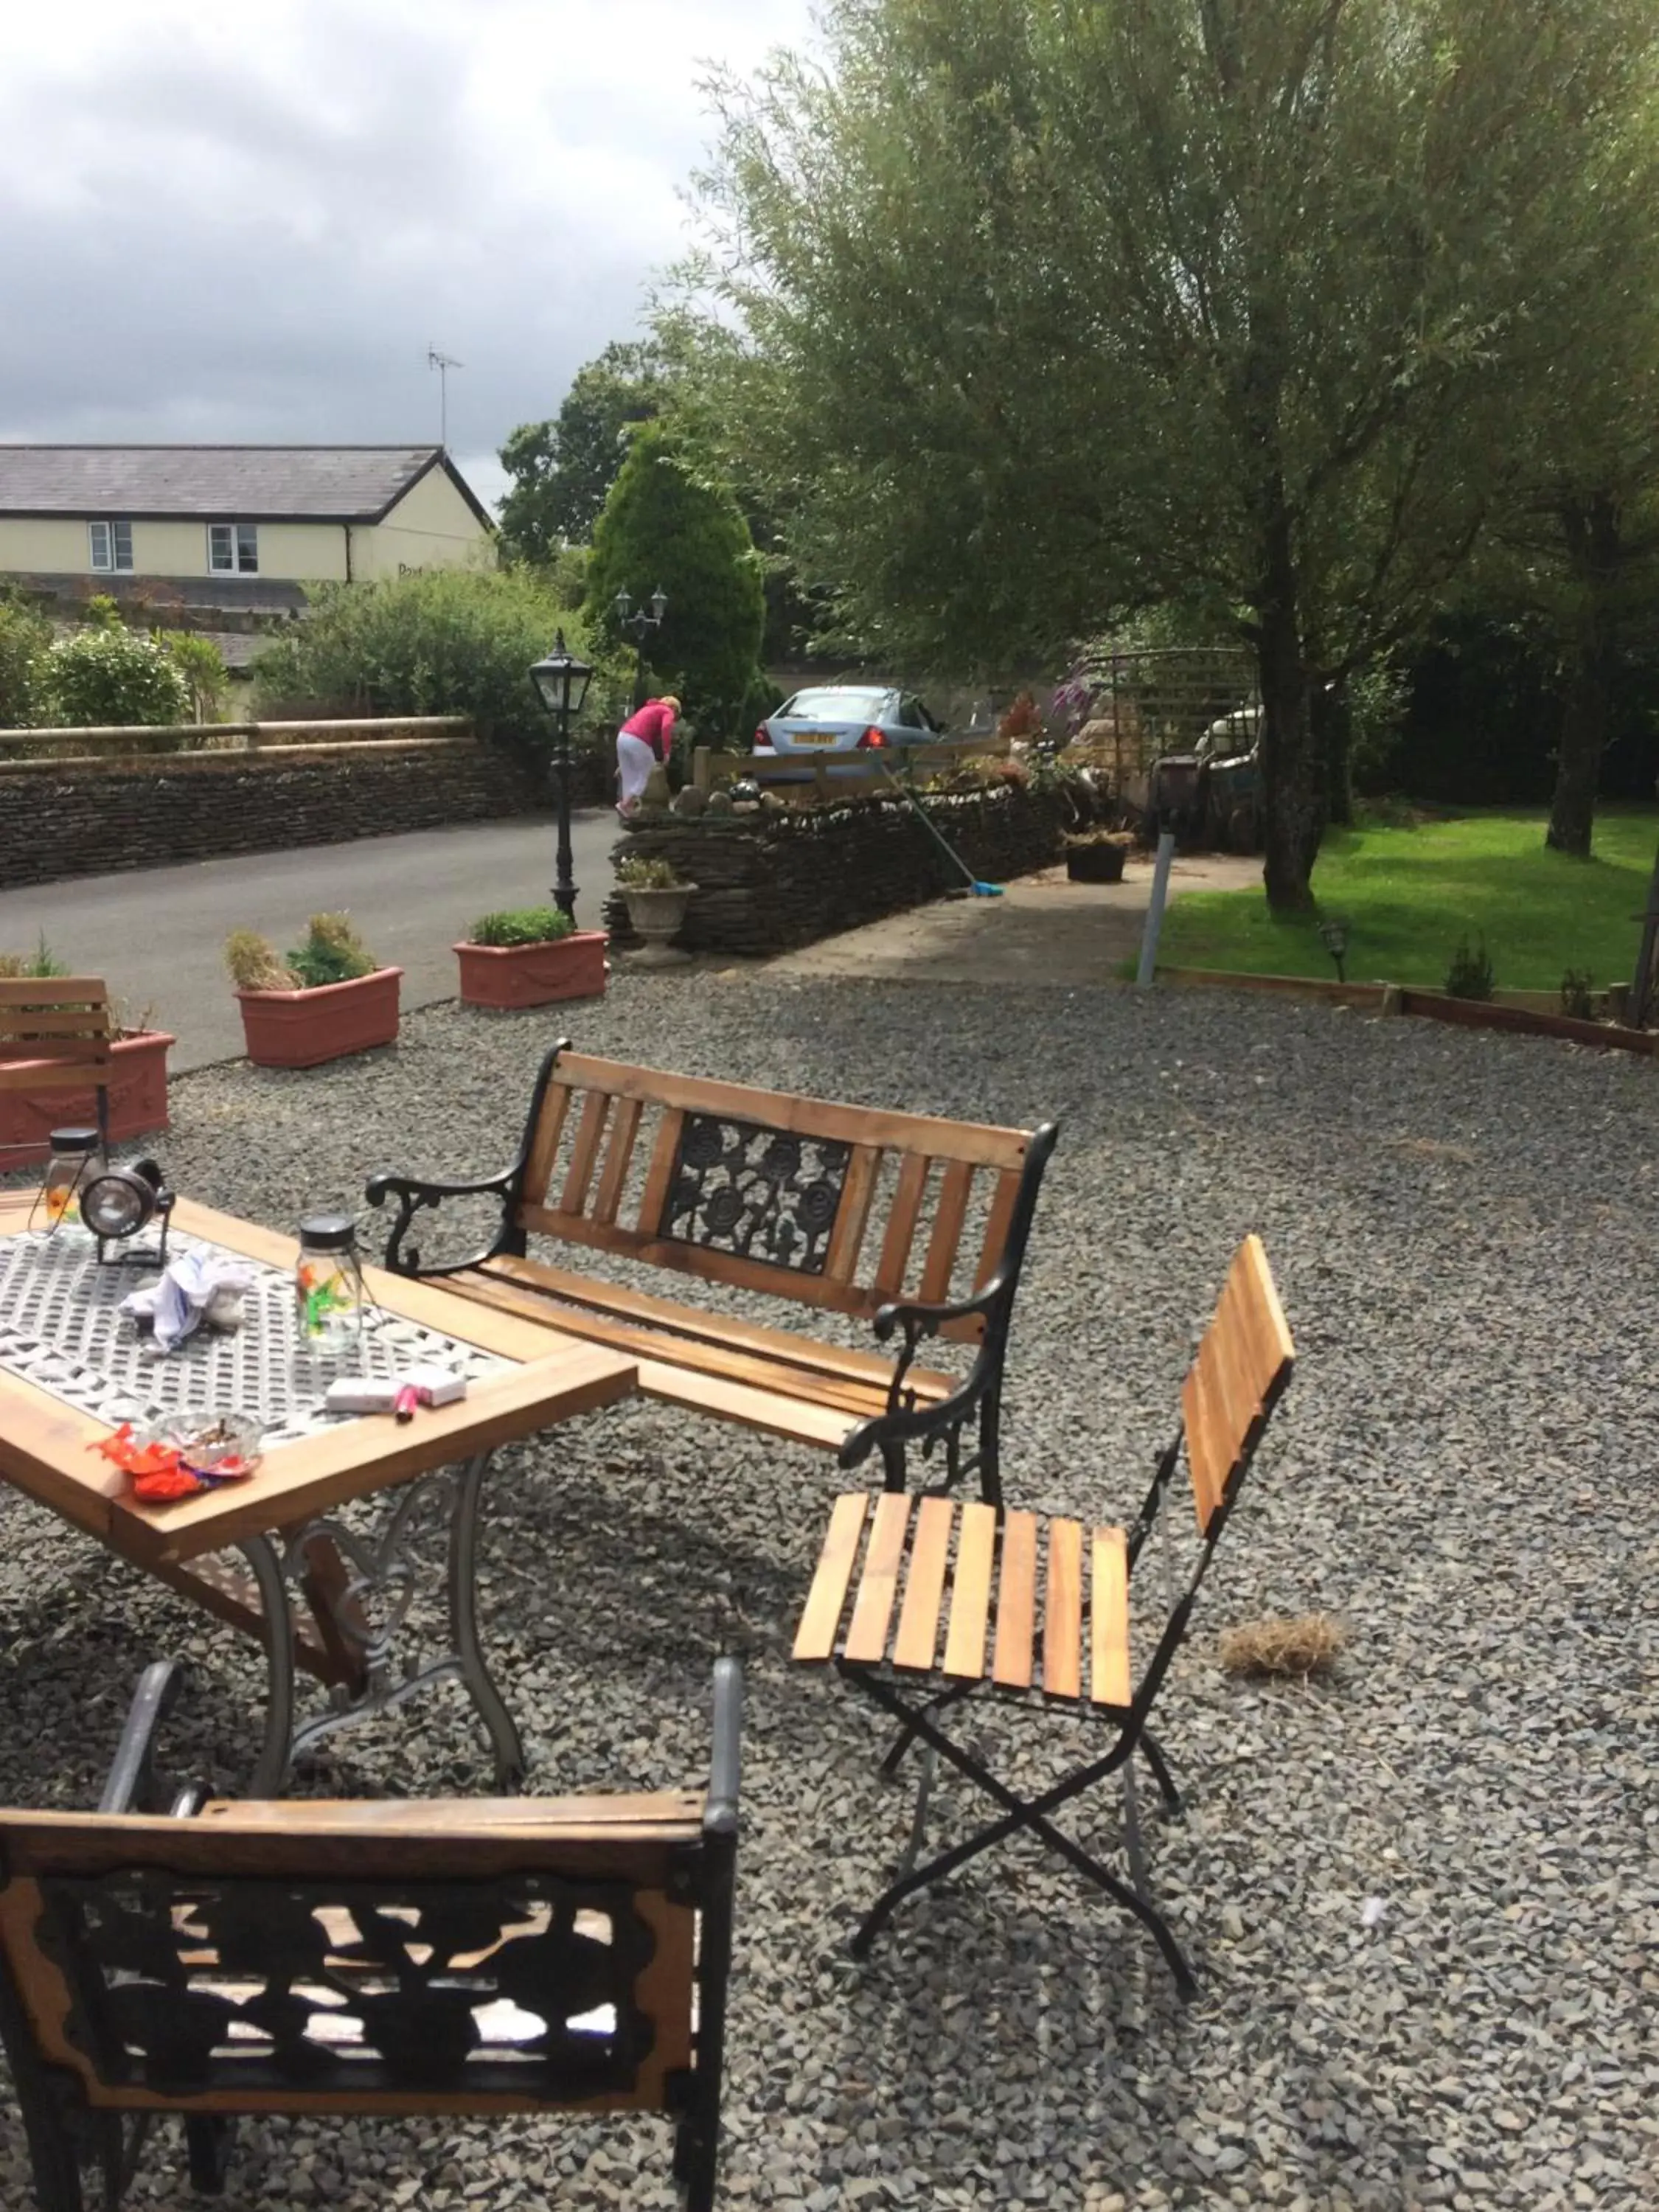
504	977
137	1101
302	1029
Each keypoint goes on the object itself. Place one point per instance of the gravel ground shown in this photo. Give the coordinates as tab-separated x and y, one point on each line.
1461	1225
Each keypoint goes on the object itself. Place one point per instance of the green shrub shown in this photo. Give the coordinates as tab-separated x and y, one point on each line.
667	521
25	641
42	962
523	925
202	665
332	953
107	676
442	641
1470	974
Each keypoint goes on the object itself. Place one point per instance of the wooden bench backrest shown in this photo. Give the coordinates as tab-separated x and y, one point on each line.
317	1958
841	1207
1238	1375
62	1020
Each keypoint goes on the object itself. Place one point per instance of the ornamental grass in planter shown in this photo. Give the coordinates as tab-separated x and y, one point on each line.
136	1090
326	1000
1099	857
531	955
657	897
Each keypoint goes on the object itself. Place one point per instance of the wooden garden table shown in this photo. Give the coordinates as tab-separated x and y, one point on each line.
320	1595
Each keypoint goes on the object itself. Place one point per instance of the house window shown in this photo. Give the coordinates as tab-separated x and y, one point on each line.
112	546
233	548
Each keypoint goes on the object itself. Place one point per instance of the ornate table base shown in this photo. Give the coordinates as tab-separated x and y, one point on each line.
358	1596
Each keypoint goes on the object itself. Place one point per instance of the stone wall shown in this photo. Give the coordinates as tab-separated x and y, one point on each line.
79	821
769	882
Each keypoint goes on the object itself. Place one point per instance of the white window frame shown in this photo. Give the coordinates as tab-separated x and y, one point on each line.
242	549
110	534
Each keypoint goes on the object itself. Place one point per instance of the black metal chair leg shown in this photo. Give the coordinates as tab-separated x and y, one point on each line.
1174	1804
208	2138
919	1817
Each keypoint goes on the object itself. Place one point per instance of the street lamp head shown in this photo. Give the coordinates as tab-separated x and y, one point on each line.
561	680
622	605
659	604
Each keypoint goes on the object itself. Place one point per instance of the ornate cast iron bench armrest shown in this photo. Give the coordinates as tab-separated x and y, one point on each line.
905	1420
412	1193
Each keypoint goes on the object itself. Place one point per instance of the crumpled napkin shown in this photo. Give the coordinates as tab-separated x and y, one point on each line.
196	1283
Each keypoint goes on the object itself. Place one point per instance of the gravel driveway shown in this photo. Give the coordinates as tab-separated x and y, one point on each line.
1462	1229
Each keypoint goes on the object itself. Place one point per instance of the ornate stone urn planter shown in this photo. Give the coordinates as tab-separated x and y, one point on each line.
658	915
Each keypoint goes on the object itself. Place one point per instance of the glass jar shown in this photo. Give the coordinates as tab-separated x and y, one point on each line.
329	1295
72	1153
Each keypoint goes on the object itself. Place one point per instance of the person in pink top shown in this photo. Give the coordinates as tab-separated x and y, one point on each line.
643	740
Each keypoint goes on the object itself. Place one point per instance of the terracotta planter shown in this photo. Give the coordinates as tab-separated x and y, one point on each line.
1096	864
137	1101
506	976
301	1029
658	916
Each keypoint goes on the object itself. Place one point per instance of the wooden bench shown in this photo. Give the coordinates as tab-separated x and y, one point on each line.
462	1956
57	1033
918	1225
920	1604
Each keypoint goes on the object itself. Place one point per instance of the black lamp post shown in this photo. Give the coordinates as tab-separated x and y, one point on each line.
561	682
641	620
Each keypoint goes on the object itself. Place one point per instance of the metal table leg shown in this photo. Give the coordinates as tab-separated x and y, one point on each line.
363	1600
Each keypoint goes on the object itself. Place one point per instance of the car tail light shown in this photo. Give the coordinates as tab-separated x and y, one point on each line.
872	738
763	739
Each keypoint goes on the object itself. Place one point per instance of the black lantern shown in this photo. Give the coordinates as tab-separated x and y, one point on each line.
560	681
641	620
118	1203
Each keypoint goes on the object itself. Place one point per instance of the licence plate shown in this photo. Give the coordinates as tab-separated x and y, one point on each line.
814	738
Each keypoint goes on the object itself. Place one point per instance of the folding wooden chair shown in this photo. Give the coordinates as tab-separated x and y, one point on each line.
465	1956
57	1034
972	1571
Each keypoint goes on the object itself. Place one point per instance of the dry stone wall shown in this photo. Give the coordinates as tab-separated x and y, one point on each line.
766	883
132	814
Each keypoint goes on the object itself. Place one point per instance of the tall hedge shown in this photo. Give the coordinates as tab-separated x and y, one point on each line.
668	522
440	642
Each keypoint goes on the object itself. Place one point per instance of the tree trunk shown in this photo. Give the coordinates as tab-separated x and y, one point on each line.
1292	810
1590	530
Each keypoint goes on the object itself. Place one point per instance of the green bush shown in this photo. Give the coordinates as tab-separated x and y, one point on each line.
25	641
32	966
1470	974
523	925
636	874
202	665
332	953
110	677
667	522
443	641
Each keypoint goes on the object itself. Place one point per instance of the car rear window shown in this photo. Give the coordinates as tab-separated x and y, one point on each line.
834	706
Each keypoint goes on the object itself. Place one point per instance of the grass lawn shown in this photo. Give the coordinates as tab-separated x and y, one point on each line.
1408	895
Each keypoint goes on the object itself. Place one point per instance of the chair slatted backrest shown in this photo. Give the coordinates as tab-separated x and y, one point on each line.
59	1026
832	1206
1239	1374
457	1958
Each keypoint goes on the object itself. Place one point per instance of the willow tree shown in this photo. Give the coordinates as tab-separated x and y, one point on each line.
1044	309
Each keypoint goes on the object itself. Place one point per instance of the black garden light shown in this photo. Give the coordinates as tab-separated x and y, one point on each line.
641	620
118	1203
1334	935
560	681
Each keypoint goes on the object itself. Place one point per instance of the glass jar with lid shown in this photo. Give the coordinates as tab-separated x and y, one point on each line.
58	1210
328	1293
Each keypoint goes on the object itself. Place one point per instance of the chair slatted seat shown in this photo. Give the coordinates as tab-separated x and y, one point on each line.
922	1602
916	1223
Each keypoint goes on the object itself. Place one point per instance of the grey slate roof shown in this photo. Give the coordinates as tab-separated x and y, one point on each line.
247	483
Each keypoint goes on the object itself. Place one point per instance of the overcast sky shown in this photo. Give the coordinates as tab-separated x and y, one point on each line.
221	223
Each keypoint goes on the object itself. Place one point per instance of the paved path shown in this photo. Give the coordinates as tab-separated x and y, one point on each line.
156	934
1041	930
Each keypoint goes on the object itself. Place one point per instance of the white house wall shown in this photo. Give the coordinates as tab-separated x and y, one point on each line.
431	526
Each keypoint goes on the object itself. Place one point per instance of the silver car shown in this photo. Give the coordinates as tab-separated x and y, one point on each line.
848	718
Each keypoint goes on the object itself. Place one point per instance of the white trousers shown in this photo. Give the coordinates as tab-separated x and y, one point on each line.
634	762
